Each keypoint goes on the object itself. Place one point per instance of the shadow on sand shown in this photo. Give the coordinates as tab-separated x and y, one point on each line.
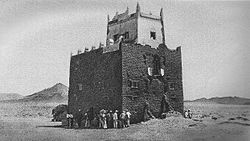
51	126
65	127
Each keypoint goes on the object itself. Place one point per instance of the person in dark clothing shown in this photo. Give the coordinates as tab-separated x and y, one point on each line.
147	113
70	120
90	114
95	122
165	106
79	118
109	119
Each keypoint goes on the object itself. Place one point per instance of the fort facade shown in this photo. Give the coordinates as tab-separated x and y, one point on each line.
134	69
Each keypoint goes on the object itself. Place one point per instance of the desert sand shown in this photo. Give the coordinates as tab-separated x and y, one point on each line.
211	122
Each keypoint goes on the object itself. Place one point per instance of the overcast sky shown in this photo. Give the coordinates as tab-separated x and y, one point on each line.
37	36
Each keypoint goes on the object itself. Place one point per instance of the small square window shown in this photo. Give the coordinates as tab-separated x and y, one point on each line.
171	86
77	62
126	35
115	37
80	87
152	35
133	84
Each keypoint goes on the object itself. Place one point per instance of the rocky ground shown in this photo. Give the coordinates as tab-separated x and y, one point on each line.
32	121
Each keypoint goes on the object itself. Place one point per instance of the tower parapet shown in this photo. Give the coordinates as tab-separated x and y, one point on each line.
139	27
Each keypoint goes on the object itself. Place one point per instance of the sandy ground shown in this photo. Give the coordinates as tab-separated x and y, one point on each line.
31	121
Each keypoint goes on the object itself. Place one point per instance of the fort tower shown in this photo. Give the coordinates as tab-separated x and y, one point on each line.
139	27
132	73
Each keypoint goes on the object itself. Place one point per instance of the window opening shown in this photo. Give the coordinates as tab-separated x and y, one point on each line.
115	37
157	65
171	86
126	35
80	87
133	83
152	35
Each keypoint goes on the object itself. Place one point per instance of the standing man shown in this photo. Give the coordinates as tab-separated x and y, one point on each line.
128	114
109	119
86	116
91	116
79	118
68	119
189	114
102	118
115	118
122	117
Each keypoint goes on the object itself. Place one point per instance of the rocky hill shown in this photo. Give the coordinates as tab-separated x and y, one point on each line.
224	100
10	96
58	92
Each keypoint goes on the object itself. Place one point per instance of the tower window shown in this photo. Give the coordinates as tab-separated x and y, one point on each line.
171	86
80	87
152	35
157	65
115	37
162	72
150	71
126	35
133	83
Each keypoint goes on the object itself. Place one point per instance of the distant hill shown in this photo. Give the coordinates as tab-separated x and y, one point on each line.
224	100
10	96
58	92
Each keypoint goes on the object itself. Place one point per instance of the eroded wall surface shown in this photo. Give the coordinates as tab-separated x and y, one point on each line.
120	28
127	79
136	59
95	81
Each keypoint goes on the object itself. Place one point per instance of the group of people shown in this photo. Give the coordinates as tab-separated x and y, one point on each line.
188	114
104	119
108	119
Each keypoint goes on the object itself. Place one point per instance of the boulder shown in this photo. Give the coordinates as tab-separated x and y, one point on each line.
59	112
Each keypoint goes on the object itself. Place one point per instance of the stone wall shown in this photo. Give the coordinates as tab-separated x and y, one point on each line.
129	25
95	81
136	59
126	79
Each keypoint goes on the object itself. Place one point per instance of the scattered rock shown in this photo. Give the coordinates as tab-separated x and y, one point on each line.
196	119
242	118
203	116
239	118
214	118
192	125
40	114
244	115
171	114
231	119
59	112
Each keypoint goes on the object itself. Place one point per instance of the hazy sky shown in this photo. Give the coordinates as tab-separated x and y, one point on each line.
37	36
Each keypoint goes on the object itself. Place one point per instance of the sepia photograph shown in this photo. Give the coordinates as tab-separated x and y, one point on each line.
131	70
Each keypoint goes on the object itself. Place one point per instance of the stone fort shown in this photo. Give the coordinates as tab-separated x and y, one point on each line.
133	69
